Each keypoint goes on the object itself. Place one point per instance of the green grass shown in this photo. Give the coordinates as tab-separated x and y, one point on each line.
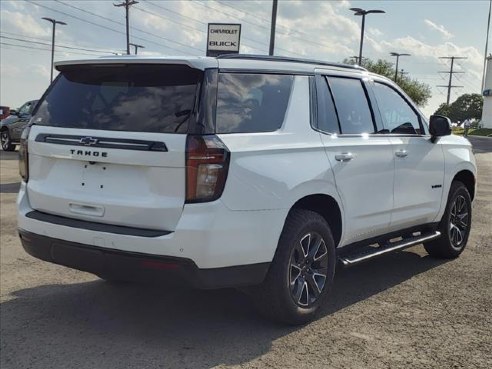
473	131
481	132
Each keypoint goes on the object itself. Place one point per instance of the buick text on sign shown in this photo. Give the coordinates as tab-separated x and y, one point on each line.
223	38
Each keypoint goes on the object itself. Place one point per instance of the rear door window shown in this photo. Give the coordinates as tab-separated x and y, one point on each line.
352	105
146	98
327	115
252	102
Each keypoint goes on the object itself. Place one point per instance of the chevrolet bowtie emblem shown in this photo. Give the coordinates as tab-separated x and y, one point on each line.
88	141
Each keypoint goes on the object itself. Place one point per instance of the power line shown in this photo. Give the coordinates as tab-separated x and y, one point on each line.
139	8
140	30
288	31
194	28
48	44
111	29
256	25
133	28
451	72
38	48
187	26
200	22
206	5
88	12
174	12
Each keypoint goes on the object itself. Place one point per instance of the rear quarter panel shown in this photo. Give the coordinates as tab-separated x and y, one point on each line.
273	170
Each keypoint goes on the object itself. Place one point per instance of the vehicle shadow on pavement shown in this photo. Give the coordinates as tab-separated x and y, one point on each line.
9	187
103	325
9	155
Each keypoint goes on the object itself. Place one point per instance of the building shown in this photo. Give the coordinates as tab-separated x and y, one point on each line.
486	121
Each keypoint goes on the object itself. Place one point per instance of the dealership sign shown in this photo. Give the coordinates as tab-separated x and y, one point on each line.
223	38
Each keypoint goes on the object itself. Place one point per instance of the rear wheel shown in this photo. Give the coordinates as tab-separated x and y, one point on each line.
302	271
6	141
455	224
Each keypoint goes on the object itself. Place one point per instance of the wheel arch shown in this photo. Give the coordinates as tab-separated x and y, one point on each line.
468	179
327	207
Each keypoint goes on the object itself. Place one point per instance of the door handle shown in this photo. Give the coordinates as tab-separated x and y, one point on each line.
344	156
401	153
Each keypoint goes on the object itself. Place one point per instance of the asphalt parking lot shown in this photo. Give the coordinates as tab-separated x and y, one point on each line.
404	310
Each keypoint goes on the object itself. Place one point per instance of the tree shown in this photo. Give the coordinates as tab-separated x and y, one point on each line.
418	91
443	109
466	106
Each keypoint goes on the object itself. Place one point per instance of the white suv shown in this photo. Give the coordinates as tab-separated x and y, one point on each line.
245	171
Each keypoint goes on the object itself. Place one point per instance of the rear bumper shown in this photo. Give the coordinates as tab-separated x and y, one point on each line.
209	237
121	265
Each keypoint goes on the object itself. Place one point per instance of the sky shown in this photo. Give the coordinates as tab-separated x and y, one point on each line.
325	30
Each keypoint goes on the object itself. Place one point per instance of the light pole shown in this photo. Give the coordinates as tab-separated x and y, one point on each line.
136	46
54	22
127	4
272	27
363	13
397	59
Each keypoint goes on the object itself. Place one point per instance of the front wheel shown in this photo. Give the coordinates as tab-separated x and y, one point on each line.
302	270
455	224
6	141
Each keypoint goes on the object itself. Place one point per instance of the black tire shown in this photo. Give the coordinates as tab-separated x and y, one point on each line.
6	141
286	280
454	226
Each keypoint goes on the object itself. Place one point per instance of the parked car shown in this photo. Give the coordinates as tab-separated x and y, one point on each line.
11	127
257	172
4	112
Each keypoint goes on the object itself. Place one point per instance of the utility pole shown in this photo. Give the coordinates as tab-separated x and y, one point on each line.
451	72
127	4
54	22
136	46
273	24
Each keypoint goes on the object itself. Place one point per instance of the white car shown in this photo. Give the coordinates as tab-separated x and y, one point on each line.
238	171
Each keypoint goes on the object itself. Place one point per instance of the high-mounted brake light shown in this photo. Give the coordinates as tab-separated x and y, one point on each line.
207	163
23	154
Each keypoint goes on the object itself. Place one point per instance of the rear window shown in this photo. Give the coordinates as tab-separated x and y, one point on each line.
146	98
252	102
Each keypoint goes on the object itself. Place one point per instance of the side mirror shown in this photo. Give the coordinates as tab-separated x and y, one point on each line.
439	126
13	112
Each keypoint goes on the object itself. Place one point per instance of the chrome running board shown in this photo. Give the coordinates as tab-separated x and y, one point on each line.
372	252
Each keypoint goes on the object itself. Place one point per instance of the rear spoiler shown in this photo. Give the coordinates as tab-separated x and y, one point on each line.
197	62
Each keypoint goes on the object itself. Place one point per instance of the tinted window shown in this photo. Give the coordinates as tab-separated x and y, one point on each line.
352	106
149	98
25	109
397	115
327	116
252	102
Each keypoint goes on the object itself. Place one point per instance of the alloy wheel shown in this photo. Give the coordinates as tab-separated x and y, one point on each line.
458	222
308	269
5	140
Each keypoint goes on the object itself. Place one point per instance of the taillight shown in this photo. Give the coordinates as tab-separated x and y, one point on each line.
23	154
207	163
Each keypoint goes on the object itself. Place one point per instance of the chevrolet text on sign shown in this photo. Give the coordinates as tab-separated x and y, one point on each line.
223	38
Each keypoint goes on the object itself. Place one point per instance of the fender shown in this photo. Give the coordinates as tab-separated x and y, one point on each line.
458	156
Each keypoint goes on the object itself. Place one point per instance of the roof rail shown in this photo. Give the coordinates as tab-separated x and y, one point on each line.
288	59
